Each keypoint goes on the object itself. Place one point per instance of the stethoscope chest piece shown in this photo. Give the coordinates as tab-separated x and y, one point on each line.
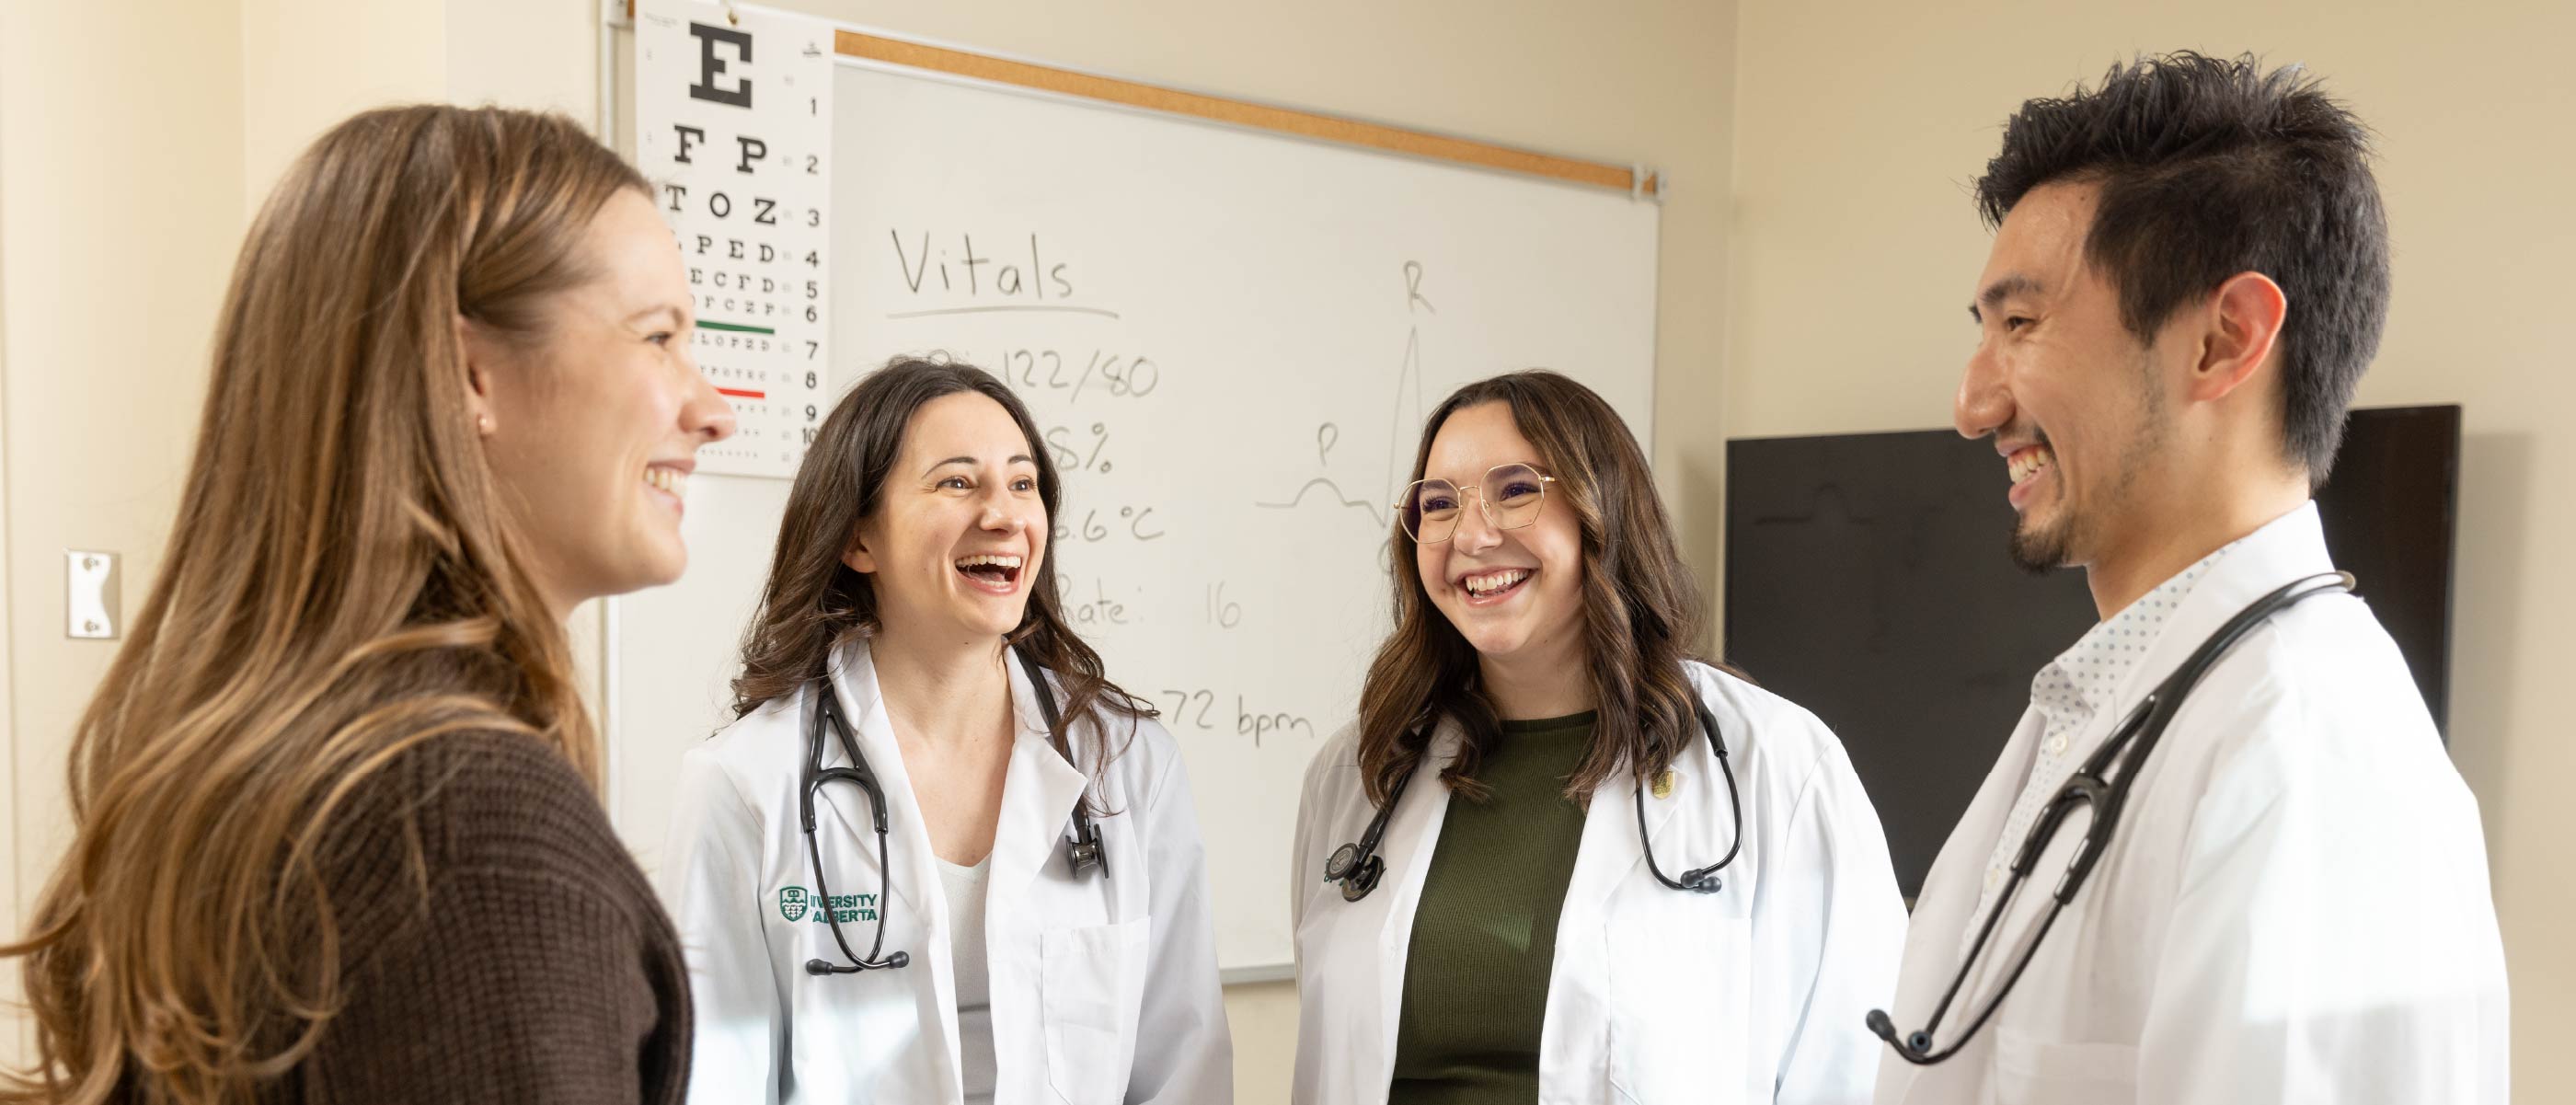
1358	876
1083	850
1344	858
1356	865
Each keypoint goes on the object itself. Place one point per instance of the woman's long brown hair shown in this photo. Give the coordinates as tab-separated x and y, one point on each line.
813	602
341	584
1641	612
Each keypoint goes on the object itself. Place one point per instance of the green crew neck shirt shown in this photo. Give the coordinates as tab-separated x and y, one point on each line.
1484	935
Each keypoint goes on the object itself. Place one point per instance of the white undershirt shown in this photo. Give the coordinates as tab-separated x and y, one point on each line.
965	889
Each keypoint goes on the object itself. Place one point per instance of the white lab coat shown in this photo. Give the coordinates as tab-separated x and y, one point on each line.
2294	907
1102	989
1751	994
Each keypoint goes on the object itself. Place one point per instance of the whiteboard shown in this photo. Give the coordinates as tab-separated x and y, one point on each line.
1230	338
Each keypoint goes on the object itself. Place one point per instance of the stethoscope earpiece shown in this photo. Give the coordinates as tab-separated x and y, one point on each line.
1915	1044
856	965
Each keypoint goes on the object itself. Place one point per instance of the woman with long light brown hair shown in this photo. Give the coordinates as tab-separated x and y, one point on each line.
338	836
1557	858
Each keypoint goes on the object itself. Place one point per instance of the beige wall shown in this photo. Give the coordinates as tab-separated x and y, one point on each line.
1859	124
120	203
310	63
13	1040
135	142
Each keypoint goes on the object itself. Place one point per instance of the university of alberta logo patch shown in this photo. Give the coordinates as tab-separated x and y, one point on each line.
791	903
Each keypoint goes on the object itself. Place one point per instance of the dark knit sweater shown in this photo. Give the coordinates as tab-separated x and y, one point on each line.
536	967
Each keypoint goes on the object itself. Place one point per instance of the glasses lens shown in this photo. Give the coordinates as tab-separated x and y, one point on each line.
1516	491
1431	509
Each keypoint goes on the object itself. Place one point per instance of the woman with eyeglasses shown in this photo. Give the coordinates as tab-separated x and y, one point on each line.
1557	858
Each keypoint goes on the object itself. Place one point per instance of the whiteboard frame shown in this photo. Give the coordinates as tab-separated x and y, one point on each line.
1647	183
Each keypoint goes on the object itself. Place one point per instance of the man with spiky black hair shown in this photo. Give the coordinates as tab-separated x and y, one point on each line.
2188	277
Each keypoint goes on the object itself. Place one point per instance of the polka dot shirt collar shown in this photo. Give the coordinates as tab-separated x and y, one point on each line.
2085	679
2067	695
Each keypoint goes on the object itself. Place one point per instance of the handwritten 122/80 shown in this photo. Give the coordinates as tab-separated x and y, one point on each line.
1101	372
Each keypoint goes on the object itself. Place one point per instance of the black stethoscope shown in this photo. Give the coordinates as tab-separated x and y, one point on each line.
1357	866
2126	751
1082	843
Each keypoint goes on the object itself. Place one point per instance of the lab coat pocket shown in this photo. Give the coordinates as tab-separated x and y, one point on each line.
2032	1071
1679	981
1091	985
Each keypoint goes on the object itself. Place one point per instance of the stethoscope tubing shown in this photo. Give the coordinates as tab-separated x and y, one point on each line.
2102	783
1358	867
1084	850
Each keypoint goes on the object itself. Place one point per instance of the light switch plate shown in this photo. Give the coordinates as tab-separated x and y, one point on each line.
90	595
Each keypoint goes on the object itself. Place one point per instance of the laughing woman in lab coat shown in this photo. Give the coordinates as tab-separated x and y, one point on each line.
1534	713
911	618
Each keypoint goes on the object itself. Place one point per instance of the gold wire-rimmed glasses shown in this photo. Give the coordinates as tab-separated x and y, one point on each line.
1510	496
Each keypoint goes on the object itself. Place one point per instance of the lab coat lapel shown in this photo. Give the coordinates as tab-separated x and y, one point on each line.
1608	857
1412	834
915	876
1039	792
1611	847
854	675
2291	547
1946	917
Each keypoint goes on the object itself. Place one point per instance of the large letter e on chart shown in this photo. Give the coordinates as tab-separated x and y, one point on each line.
710	66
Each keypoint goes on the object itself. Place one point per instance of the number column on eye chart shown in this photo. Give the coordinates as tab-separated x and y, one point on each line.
734	129
758	275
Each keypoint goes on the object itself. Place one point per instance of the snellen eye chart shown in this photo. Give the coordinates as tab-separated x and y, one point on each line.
734	129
